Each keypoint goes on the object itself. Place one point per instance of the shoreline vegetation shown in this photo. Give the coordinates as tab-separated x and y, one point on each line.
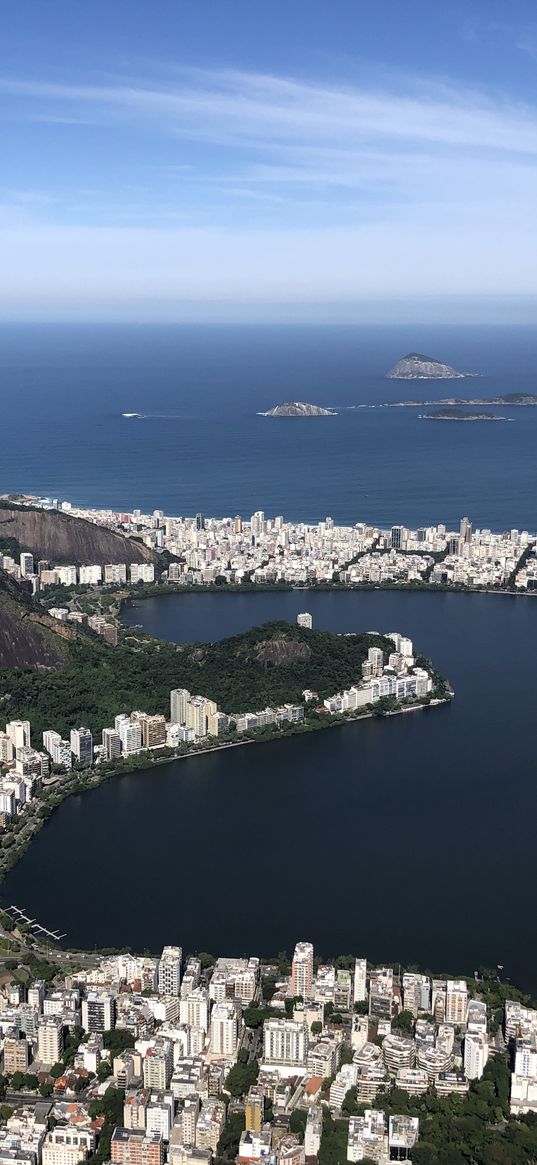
265	666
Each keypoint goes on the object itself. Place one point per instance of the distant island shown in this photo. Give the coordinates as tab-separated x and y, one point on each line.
416	366
454	414
513	399
298	408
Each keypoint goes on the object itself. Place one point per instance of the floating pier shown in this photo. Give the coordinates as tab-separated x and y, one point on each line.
21	916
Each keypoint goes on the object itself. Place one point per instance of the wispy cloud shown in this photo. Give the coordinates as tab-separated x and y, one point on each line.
263	108
272	186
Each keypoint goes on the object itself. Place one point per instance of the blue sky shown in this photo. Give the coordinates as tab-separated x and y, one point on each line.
249	158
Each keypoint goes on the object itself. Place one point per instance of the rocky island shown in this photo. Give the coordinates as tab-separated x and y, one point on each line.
298	408
416	366
513	399
454	414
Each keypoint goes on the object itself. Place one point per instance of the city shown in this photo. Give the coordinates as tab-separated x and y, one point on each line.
131	1058
272	551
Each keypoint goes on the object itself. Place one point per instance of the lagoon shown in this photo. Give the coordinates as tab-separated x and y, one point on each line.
406	839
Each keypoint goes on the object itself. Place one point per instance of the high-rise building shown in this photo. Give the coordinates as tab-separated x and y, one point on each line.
19	733
50	1039
284	1042
130	733
82	746
198	715
302	970
16	1052
360	980
200	521
158	1064
98	1011
179	699
194	1009
111	743
397	537
224	1030
476	1051
26	564
456	1001
254	1109
465	530
153	729
169	971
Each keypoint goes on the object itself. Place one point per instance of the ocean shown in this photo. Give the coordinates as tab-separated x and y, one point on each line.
203	446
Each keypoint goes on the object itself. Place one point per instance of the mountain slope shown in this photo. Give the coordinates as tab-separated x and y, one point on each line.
59	537
29	637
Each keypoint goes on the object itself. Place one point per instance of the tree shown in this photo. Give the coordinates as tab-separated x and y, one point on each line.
404	1022
316	1027
241	1077
104	1070
45	1089
57	1070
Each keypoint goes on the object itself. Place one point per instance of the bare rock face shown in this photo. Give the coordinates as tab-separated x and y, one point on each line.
416	366
29	637
58	537
298	408
282	652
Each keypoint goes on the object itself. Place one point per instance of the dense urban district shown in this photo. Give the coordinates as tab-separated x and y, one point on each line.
202	551
141	1061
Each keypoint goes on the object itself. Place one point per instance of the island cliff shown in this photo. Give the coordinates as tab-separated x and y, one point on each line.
298	408
416	366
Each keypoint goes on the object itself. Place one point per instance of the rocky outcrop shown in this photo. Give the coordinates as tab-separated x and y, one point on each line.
282	652
298	408
58	537
416	366
29	637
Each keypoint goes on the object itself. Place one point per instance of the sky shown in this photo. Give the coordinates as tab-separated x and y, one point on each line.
251	159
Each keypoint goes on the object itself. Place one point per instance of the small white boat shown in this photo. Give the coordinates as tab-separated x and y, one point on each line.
140	415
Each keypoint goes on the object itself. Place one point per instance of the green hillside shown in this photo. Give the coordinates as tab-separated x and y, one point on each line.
270	664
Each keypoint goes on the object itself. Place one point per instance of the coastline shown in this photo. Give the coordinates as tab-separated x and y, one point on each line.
61	790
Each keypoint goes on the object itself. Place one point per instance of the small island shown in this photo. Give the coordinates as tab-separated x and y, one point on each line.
298	408
512	399
416	366
454	414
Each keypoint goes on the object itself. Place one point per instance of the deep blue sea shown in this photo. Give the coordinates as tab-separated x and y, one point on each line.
202	445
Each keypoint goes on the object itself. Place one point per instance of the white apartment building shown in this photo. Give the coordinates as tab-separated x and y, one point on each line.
50	1039
19	733
284	1043
313	1131
82	745
169	971
305	620
476	1051
142	572
66	1145
302	970
115	573
194	1010
224	1030
179	698
360	980
130	734
158	1065
90	575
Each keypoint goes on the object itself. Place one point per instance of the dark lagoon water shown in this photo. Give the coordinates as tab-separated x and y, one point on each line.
409	839
202	445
